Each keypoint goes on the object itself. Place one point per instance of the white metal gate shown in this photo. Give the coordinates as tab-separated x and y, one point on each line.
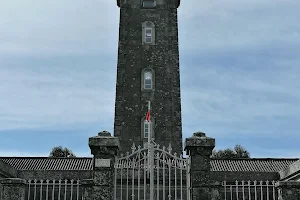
152	173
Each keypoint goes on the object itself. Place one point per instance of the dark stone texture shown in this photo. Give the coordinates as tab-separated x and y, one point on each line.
200	178
215	193
201	193
240	176
199	147
103	177
105	148
57	174
12	189
88	189
163	58
289	190
93	192
203	162
104	145
137	3
7	170
104	133
199	141
103	192
199	134
291	171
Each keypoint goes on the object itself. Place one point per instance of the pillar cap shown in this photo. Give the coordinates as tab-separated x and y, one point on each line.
199	139
104	144
104	139
104	134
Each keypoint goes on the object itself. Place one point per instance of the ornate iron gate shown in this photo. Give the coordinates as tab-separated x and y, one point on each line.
152	173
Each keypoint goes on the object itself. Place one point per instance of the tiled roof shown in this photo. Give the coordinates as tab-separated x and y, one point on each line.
45	163
253	164
291	171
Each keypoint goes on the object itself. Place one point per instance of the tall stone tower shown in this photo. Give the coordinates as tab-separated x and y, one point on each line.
148	69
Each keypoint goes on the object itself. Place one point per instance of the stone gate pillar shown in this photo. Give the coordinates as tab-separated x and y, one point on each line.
288	190
105	148
199	148
12	189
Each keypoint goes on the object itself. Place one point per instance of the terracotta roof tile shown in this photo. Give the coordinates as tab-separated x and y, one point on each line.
79	163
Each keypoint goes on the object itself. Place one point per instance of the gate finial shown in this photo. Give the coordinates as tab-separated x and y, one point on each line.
170	148
133	148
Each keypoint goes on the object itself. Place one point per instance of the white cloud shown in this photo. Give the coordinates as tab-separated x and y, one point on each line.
221	25
55	27
79	27
275	153
237	99
38	99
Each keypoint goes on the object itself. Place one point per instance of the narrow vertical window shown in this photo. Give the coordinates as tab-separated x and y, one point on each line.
148	35
146	129
148	80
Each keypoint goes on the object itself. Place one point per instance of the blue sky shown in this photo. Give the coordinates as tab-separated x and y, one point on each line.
240	68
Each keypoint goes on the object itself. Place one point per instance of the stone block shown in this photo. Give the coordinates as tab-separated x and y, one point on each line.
200	163
199	140
201	193
13	189
200	178
103	193
103	177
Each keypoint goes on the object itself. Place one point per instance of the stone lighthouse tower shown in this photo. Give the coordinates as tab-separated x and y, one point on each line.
148	69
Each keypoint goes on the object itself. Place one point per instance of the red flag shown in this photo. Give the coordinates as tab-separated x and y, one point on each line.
148	113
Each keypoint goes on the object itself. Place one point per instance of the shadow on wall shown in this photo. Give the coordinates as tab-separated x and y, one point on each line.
0	190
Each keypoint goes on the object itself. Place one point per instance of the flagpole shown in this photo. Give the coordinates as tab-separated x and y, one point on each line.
151	154
149	125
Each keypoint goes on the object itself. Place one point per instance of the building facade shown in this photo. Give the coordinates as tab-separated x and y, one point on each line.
148	70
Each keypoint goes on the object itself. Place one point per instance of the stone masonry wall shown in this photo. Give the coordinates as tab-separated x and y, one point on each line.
46	174
246	176
7	170
163	58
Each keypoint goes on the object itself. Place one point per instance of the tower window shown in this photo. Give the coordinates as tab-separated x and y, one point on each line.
146	129
148	80
148	3
148	35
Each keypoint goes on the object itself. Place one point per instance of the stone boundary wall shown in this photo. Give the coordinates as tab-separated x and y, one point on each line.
7	170
246	176
1	191
291	172
47	174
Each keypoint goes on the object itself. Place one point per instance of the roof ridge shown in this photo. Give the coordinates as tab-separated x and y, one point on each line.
256	159
45	157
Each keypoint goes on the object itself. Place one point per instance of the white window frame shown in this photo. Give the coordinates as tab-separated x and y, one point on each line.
145	129
146	126
150	36
151	80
